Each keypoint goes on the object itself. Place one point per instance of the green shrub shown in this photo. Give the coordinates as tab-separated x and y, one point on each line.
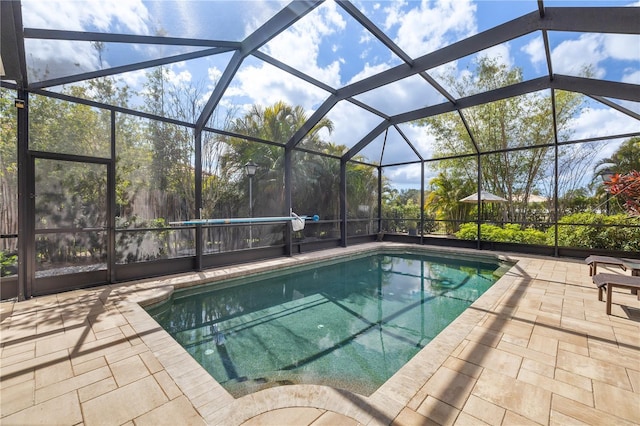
8	263
510	233
596	231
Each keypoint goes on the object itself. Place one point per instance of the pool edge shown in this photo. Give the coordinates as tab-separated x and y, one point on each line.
213	402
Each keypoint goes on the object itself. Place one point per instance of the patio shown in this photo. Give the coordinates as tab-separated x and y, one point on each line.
537	348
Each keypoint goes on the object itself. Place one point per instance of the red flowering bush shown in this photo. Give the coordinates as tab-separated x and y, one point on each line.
627	188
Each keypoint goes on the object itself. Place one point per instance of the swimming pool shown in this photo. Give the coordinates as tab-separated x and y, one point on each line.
350	324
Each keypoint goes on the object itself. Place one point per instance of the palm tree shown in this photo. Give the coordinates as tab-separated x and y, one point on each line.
625	159
443	200
276	123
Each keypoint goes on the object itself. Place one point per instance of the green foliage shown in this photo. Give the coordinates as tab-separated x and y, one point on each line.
592	230
510	233
625	159
401	211
517	122
8	264
315	180
443	201
8	169
170	170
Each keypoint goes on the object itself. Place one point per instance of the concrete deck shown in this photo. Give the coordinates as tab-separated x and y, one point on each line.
537	348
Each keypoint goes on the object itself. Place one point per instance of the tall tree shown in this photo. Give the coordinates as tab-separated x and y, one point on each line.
443	200
8	170
276	123
513	123
172	174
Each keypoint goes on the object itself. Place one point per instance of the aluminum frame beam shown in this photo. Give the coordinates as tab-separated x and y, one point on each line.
590	86
274	26
373	29
494	36
555	19
127	68
43	34
12	50
615	106
389	44
586	86
293	71
615	20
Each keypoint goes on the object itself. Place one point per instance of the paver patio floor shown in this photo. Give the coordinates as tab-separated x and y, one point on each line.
537	348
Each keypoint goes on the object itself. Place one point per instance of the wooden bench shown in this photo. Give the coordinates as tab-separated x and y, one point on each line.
610	281
594	260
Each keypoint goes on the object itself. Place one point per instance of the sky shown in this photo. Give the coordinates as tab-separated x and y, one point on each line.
330	46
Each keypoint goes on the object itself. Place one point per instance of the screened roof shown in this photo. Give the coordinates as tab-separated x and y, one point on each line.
372	68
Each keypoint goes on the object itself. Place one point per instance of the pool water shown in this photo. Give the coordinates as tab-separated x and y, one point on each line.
349	325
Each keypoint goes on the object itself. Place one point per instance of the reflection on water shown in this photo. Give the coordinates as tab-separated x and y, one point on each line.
350	325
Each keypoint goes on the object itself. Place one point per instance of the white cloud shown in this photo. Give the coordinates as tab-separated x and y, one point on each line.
501	53
130	16
367	71
424	29
421	139
265	85
125	16
53	58
404	176
441	72
134	78
625	47
299	46
535	50
573	57
401	96
365	37
633	77
596	122
261	11
178	78
214	74
351	123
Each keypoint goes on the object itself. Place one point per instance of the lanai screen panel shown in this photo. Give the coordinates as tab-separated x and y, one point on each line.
629	105
419	28
350	124
398	148
9	194
520	121
69	128
443	135
447	182
496	67
266	102
404	95
54	59
360	55
331	47
613	57
595	119
215	20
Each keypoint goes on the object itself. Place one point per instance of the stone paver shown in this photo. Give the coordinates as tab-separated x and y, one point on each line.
290	416
536	348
